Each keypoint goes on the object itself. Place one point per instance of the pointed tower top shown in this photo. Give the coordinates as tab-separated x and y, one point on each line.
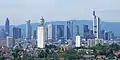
98	18
7	18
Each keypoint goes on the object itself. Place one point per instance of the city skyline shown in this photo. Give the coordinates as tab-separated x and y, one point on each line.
20	11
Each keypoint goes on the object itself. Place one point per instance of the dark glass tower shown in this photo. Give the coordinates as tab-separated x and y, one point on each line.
16	33
60	33
86	32
7	27
77	30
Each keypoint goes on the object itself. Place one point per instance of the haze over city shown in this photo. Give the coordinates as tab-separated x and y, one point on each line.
18	11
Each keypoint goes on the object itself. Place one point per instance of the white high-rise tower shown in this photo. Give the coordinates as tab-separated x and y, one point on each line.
77	41
96	26
40	35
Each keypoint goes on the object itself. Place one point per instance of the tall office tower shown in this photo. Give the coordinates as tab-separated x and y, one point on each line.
96	26
7	28
60	32
40	34
77	41
28	30
51	32
16	33
69	29
2	33
86	32
77	30
106	35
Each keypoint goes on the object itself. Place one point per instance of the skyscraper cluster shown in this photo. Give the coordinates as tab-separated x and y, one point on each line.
68	30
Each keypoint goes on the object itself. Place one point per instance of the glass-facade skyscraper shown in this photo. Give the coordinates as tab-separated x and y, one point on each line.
16	33
60	31
86	31
28	30
7	27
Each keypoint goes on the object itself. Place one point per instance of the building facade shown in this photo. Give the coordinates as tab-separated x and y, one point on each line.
16	33
7	27
40	37
28	30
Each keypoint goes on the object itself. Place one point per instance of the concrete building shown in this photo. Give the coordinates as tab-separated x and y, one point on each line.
9	42
40	37
41	34
99	41
93	42
78	41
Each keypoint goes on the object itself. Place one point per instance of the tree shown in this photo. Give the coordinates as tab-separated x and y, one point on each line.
15	52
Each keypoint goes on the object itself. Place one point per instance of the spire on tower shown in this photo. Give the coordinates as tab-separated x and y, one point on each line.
98	18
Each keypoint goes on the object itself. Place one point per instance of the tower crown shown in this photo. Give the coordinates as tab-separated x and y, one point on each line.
94	13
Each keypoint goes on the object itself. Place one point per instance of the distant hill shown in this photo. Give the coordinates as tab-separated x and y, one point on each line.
108	26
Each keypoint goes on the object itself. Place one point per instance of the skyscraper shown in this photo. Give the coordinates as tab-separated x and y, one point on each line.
51	32
69	29
60	33
78	41
7	27
16	33
28	30
41	34
77	30
86	31
96	26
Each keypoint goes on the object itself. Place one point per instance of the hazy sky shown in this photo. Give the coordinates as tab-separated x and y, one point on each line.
18	11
